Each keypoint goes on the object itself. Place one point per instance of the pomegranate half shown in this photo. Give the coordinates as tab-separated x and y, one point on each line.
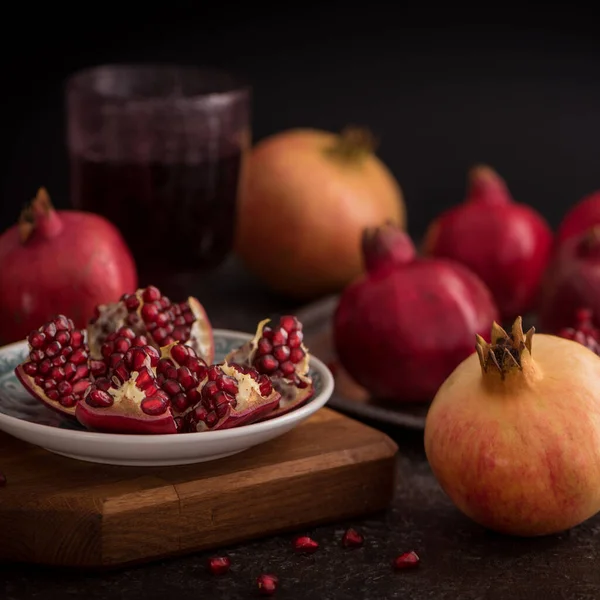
513	435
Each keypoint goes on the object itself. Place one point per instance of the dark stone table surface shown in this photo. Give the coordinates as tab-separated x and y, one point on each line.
459	560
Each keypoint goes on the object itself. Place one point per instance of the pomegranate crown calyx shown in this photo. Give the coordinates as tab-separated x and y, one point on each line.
353	143
40	215
505	352
485	185
386	244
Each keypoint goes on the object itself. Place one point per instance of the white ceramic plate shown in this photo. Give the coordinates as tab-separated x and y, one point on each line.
28	419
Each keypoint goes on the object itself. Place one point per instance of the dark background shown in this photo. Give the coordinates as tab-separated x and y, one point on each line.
440	90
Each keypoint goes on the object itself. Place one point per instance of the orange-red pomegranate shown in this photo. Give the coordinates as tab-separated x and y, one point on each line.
513	435
306	198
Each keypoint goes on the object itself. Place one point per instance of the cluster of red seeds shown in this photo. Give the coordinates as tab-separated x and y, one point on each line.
267	583
584	331
165	321
58	361
279	350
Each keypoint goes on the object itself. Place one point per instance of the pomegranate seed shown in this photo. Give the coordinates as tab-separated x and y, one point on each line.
171	387
99	399
49	330
279	337
199	414
76	339
53	394
154	405
162	319
121	371
150	312
305	545
63	338
213	372
153	354
296	355
228	384
37	356
281	353
131	302
68	401
70	370
144	379
267	584
186	379
102	384
78	357
408	560
59	361
180	353
138	358
180	402
264	346
49	384
211	419
122	344
294	339
2	479
53	349
287	368
352	539
139	340
61	322
30	368
36	340
197	366
65	388
151	294
219	565
267	364
290	323
267	332
81	387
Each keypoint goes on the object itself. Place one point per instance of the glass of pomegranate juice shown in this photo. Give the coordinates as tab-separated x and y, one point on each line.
158	151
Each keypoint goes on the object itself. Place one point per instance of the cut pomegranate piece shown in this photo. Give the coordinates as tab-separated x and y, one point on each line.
408	560
231	395
219	565
130	399
305	545
279	353
352	539
56	371
150	314
267	584
179	373
584	331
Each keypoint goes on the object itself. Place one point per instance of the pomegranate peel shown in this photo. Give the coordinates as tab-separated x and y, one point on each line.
513	434
56	371
279	353
151	314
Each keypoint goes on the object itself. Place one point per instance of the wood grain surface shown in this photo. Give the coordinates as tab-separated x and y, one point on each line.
59	511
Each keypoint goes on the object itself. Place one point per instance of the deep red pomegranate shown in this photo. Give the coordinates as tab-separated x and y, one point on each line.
231	396
278	352
57	370
505	243
401	329
151	314
267	584
583	331
513	435
581	218
59	262
571	282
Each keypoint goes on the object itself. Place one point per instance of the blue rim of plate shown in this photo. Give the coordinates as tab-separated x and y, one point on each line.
225	340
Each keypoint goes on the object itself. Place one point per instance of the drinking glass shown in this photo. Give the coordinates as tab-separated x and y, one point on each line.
158	150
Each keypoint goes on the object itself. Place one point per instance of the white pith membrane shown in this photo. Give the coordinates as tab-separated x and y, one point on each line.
115	315
291	394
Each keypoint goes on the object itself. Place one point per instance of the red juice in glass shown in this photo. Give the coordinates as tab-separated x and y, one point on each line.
158	150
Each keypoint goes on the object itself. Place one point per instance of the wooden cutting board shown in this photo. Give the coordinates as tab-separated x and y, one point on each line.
60	511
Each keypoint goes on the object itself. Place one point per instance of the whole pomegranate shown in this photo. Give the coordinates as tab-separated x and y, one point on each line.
513	435
307	196
59	262
401	329
507	244
582	217
571	282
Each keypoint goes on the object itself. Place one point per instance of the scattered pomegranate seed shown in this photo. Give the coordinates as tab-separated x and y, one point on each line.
219	565
352	539
408	560
2	479
267	584
305	545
